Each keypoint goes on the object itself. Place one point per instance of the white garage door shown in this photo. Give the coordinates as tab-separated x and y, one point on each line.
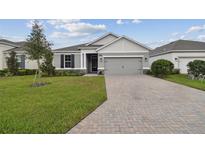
123	65
184	61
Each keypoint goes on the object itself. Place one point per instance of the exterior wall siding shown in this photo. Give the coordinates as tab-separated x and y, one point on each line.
105	40
77	60
3	48
57	56
176	57
123	47
29	64
164	56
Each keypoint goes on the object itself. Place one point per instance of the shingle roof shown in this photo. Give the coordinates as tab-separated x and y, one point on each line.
77	47
15	49
17	46
7	42
179	45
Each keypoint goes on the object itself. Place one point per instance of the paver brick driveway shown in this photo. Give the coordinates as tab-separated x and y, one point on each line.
143	104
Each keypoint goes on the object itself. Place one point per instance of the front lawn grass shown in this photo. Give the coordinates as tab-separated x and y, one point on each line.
182	79
54	108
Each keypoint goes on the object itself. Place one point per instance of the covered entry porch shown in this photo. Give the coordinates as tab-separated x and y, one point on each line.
90	62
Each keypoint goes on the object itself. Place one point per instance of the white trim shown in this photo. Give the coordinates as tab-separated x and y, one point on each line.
124	56
101	68
102	38
187	50
67	52
191	56
146	68
87	52
133	52
81	60
175	51
85	57
126	39
70	68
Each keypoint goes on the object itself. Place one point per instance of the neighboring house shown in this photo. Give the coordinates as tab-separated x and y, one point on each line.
180	53
109	54
8	46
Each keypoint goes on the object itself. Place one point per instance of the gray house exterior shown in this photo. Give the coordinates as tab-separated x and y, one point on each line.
7	46
180	53
110	54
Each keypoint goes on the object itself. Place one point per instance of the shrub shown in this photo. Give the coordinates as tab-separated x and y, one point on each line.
196	67
161	68
22	72
149	72
68	73
175	71
47	66
12	63
3	72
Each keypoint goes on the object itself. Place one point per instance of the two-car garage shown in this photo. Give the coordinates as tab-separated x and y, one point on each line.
123	65
123	56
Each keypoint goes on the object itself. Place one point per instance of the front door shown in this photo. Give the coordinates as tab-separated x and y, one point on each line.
94	63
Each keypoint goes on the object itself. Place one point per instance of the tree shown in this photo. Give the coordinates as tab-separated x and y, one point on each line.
47	65
37	46
12	63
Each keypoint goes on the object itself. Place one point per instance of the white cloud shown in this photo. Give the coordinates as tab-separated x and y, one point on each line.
196	29
13	38
136	21
67	34
201	37
29	24
182	36
175	34
75	28
155	44
57	23
120	22
81	27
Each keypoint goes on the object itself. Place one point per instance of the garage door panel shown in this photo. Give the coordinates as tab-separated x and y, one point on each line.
123	66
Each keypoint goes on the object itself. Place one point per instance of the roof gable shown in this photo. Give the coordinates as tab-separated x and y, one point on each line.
104	39
123	44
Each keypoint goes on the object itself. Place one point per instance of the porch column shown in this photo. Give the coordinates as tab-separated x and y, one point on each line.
81	60
85	59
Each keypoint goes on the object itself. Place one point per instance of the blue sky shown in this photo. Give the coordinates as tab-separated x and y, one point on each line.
63	33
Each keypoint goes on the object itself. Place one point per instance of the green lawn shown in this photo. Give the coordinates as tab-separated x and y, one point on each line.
54	108
182	79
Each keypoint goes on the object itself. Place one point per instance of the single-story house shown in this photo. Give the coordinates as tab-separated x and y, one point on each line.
180	53
109	54
7	46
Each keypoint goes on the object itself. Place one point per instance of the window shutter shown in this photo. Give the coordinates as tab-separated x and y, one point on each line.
62	61
22	62
72	61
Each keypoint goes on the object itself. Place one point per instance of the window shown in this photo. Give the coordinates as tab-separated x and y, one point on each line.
21	61
67	61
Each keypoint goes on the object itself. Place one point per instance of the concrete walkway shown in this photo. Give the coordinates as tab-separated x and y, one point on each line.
143	104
